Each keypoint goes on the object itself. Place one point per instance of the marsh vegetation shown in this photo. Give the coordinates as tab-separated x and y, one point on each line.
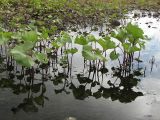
57	57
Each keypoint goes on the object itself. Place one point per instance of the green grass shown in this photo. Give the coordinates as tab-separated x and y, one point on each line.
16	13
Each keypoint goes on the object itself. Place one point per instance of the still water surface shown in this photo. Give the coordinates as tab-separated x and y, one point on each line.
49	101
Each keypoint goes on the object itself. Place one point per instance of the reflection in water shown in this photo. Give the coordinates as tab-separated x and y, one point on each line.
19	84
93	83
152	62
96	81
123	92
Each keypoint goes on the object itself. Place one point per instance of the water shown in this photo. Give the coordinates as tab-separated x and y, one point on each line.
62	97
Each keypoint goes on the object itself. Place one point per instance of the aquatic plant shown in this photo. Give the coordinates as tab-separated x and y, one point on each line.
23	45
132	39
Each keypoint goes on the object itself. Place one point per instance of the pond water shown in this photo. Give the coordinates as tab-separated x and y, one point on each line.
76	94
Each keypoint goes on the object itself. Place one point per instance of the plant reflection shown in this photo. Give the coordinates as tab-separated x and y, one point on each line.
117	83
97	84
88	87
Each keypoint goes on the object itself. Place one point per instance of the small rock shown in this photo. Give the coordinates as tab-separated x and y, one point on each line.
115	23
136	15
155	15
70	118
